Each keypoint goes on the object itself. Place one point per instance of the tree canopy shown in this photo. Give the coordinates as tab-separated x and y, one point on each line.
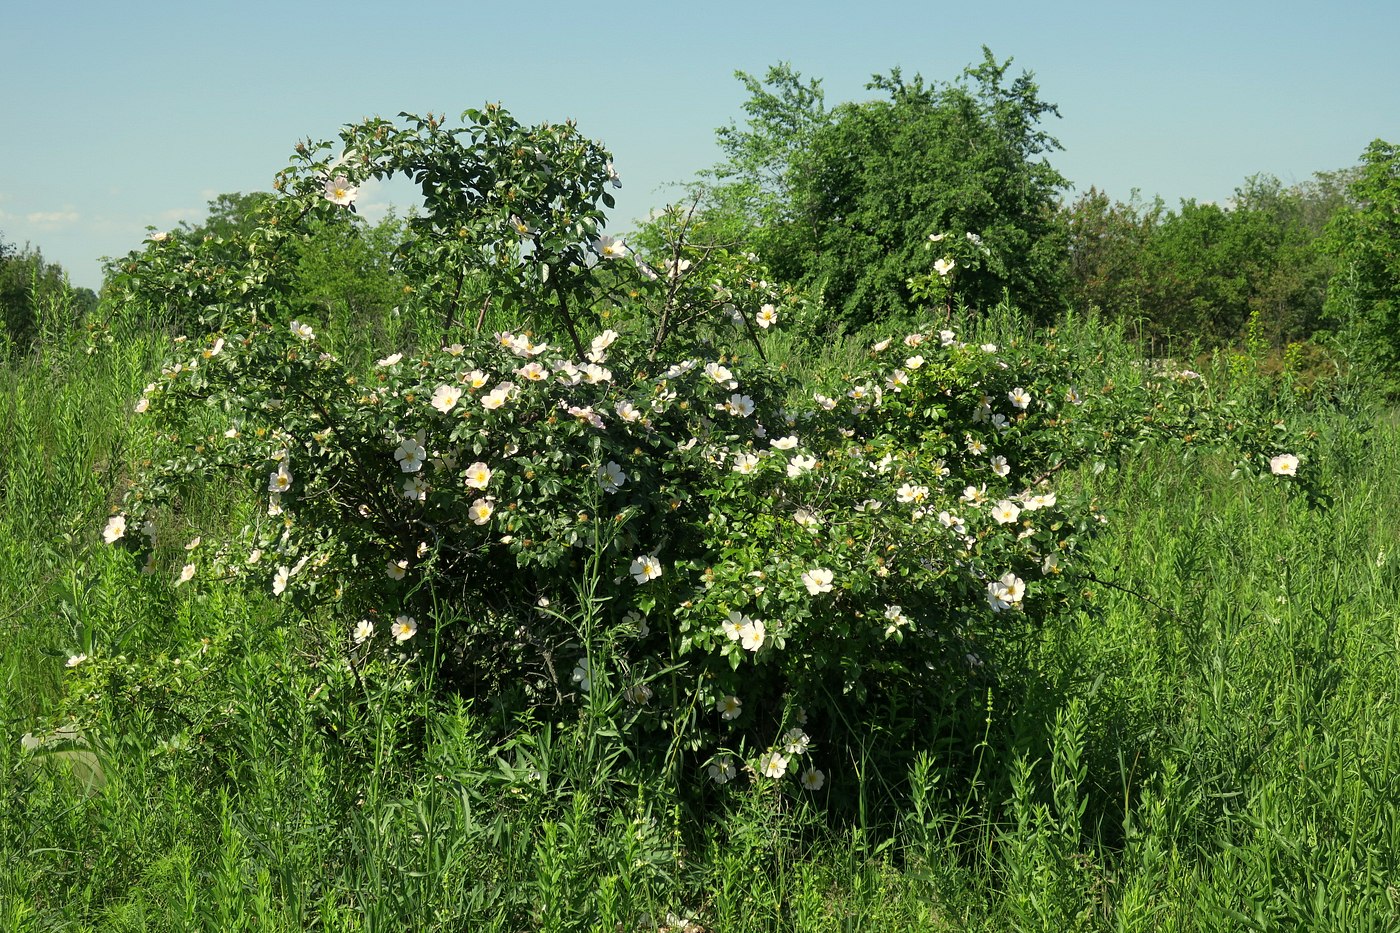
846	200
35	297
1365	239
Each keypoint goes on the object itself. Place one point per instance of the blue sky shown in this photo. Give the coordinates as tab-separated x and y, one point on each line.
118	116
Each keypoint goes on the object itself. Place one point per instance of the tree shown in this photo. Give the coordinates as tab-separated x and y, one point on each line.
751	189
36	301
348	271
1203	271
1290	283
344	269
845	201
1107	246
1365	239
230	216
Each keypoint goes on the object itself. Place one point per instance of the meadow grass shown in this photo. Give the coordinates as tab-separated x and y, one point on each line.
1210	744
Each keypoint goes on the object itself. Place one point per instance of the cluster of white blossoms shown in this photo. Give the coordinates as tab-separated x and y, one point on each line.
1006	593
911	493
774	763
284	575
520	344
749	633
747	450
740	406
918	484
598	347
412	452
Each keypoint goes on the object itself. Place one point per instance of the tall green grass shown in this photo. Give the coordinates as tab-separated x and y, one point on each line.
1211	744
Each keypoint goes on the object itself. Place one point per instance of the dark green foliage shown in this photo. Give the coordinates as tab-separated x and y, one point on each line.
36	300
750	195
344	269
1365	239
845	200
231	216
1201	272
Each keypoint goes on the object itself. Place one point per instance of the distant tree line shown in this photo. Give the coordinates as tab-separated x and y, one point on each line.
1200	272
942	194
35	297
932	195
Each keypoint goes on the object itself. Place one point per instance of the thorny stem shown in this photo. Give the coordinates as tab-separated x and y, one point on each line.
662	327
481	315
456	295
564	314
1131	592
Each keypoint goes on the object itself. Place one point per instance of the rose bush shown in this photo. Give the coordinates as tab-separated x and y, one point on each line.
621	501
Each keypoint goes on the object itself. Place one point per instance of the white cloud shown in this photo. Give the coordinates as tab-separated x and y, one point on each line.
379	196
175	215
51	220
